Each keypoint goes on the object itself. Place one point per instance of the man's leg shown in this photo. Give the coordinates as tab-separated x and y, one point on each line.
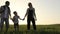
28	24
2	23
7	24
34	25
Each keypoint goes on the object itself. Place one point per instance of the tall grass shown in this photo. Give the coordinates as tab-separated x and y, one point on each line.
41	29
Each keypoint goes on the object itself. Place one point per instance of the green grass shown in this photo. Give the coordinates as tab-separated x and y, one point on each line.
41	29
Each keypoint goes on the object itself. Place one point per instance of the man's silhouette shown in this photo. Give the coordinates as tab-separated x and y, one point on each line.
5	12
31	16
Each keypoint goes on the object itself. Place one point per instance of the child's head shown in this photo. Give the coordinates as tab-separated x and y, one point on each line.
15	13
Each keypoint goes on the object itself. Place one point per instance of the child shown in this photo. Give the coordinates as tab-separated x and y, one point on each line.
15	20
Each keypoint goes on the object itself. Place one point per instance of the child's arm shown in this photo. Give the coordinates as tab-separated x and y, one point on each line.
11	19
20	18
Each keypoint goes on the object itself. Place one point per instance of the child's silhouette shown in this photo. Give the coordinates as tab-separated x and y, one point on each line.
15	20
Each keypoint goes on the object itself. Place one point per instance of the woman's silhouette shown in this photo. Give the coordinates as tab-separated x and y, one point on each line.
31	16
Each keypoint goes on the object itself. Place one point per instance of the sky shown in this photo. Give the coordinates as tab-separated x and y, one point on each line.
47	11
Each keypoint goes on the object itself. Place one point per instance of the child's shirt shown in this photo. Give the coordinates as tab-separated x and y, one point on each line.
15	19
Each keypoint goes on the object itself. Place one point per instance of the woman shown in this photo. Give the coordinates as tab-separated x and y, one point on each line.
31	16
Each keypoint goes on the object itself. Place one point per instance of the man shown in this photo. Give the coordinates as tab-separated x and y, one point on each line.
5	12
31	16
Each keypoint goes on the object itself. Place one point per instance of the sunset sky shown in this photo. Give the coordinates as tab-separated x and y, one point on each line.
47	11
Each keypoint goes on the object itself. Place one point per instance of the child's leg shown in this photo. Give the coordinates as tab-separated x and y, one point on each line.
17	26
14	27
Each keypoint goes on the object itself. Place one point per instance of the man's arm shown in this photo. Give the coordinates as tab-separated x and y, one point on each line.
9	12
12	19
0	9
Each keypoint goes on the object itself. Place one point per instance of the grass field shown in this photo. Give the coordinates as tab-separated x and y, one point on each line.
41	29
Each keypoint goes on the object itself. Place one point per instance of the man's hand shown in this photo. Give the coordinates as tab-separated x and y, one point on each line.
35	19
10	18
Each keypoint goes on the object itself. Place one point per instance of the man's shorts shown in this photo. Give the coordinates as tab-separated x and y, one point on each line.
6	22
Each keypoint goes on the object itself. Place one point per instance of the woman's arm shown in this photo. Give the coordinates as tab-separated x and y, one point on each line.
26	14
35	14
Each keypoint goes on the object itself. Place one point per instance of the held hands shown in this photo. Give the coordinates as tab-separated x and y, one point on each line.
23	18
35	19
10	18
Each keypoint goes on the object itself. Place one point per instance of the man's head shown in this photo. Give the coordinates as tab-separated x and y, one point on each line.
30	4
7	3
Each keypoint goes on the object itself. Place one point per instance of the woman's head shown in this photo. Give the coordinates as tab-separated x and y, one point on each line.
30	4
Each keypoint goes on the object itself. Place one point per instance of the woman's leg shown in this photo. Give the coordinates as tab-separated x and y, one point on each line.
28	24
34	25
